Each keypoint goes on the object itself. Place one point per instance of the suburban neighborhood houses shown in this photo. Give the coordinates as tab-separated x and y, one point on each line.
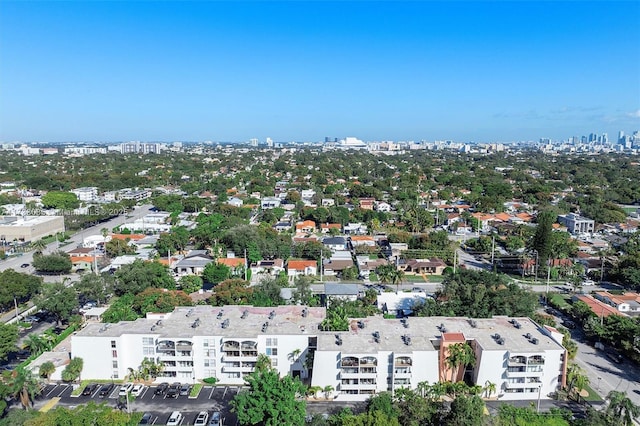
422	277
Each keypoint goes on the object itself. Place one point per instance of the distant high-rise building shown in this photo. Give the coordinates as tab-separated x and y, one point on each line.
253	142
605	138
269	142
621	137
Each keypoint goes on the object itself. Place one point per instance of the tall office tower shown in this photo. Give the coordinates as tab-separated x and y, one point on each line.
583	139
605	138
621	137
269	142
253	142
592	137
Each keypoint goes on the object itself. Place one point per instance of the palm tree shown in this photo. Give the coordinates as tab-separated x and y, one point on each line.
313	390
24	385
460	354
621	407
489	388
37	344
384	273
47	369
327	391
577	380
294	355
396	278
39	246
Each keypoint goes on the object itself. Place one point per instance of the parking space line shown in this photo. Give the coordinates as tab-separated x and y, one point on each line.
52	389
211	393
225	391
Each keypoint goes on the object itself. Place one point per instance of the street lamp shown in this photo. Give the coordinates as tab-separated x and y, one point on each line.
539	394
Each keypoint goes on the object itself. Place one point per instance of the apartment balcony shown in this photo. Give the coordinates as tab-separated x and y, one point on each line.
368	370
350	370
253	354
232	358
230	346
183	354
344	375
367	375
345	387
516	362
397	371
183	347
517	385
515	374
165	350
368	386
237	369
249	358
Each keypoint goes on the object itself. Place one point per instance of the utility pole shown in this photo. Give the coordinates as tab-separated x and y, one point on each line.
493	249
245	265
455	260
321	265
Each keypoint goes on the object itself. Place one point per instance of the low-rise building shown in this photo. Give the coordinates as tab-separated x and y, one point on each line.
576	224
28	228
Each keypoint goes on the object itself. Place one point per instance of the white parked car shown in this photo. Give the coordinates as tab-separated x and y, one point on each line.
588	282
125	389
136	390
174	419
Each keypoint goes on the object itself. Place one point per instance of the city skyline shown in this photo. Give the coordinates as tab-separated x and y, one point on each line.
232	71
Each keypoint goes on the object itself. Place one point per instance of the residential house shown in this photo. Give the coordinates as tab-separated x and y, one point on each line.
362	240
383	207
193	263
328	202
306	227
341	291
336	266
297	268
270	268
270	203
355	229
422	266
628	302
335	243
327	228
400	303
235	202
367	203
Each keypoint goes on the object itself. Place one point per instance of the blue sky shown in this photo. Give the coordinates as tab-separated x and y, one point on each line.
303	70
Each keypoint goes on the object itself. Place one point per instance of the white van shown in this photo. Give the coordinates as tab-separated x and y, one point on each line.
174	419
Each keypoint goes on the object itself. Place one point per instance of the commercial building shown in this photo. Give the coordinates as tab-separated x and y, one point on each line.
576	224
86	194
523	360
28	228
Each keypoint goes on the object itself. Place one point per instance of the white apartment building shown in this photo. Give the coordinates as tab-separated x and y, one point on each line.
524	360
201	341
86	194
576	224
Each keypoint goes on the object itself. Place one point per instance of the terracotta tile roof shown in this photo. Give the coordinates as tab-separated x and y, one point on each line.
597	307
299	265
453	337
124	237
231	262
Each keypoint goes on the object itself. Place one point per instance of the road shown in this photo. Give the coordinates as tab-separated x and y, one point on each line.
74	241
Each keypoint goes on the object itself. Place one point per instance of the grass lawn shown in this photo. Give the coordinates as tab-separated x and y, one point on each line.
560	301
593	395
195	390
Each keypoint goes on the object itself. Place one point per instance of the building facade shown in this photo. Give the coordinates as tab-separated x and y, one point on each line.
576	224
522	359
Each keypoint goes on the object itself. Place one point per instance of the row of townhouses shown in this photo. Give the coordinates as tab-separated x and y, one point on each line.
523	359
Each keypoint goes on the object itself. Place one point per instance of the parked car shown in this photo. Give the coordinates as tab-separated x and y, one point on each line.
216	419
174	419
162	388
588	282
24	265
201	419
615	357
125	389
146	419
173	390
184	389
90	389
136	390
106	390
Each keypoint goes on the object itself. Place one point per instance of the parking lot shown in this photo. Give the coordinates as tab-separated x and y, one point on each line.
210	399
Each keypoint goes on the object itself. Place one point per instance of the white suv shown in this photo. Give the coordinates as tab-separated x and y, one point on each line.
125	389
174	419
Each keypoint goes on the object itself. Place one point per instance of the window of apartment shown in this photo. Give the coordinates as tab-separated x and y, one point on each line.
147	341
209	362
209	372
272	351
113	343
272	341
115	374
114	364
209	352
274	362
114	354
148	350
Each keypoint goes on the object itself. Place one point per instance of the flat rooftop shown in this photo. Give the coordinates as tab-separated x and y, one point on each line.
288	320
425	331
26	221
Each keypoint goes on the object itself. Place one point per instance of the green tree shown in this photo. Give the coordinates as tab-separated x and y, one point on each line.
190	283
139	275
460	355
95	287
414	409
542	239
621	409
121	309
302	293
232	292
46	369
73	370
117	247
466	410
215	272
22	384
60	200
577	380
8	339
55	263
58	299
270	400
159	300
17	285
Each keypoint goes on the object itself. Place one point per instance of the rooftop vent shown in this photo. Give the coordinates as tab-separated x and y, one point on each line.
104	328
159	323
225	323
534	341
265	326
500	341
305	312
496	336
338	340
405	322
153	327
527	336
189	312
473	323
245	313
516	324
406	339
196	323
360	324
272	315
376	336
220	314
